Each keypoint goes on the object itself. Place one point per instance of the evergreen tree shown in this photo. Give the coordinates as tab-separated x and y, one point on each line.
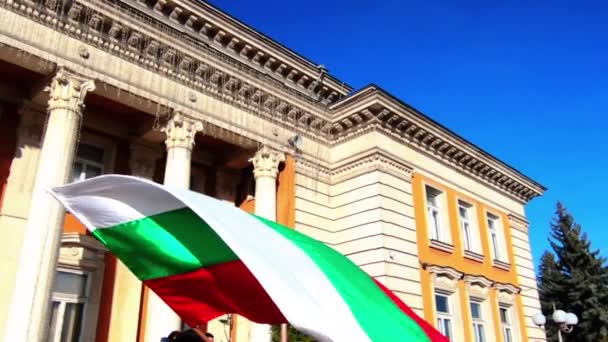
551	286
577	281
293	335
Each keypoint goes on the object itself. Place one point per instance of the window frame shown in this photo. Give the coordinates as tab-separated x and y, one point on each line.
439	234
496	237
107	145
444	317
473	240
506	325
87	162
56	327
479	322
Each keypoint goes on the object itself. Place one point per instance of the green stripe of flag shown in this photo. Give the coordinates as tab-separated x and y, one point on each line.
169	243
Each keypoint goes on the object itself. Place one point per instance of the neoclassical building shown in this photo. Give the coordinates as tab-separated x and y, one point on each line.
181	93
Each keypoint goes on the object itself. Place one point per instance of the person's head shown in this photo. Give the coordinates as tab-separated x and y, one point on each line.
209	337
172	336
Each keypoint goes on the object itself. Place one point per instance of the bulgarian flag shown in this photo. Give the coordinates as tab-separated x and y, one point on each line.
205	259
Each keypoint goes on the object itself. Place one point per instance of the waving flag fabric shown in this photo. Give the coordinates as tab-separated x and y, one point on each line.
205	258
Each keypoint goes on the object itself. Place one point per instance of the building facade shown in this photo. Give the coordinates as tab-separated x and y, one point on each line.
179	92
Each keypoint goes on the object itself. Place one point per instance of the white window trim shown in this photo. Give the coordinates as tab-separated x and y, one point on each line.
478	289
442	317
484	321
84	254
474	231
501	244
64	298
445	282
511	325
443	233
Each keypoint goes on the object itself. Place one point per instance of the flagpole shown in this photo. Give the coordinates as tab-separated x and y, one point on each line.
284	337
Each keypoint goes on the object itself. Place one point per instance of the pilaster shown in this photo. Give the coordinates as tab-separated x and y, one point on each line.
17	198
18	191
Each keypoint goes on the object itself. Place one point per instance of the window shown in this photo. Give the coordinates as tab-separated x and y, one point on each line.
494	228
464	211
444	317
89	162
505	322
478	323
434	199
67	310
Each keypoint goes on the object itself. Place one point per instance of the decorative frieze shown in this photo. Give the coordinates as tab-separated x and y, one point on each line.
140	47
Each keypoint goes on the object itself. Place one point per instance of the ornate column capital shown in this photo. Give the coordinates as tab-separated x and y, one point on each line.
68	90
266	162
181	131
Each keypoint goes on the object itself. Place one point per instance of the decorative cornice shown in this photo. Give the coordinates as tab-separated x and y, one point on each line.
153	42
81	251
442	271
236	38
84	241
477	280
404	124
477	286
508	288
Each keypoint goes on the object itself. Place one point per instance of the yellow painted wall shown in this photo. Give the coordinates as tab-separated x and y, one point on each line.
457	260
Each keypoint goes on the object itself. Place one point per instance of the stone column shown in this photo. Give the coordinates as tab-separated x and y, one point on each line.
180	131
265	170
124	318
29	312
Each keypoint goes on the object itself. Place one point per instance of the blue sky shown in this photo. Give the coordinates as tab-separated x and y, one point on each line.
525	80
